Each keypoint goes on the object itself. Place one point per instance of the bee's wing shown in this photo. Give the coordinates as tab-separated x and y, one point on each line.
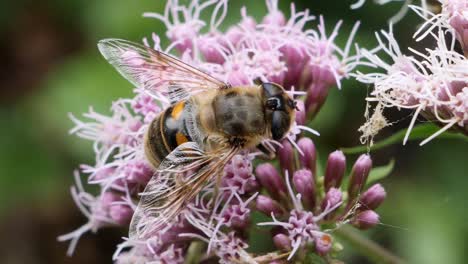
156	71
179	178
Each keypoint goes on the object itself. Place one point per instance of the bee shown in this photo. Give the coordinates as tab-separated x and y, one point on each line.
207	123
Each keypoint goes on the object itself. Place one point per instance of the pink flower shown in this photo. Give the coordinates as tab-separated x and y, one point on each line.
279	49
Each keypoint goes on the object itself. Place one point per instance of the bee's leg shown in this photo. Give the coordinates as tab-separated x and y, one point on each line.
267	153
219	177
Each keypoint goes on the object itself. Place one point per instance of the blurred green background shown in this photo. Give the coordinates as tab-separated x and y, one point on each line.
50	67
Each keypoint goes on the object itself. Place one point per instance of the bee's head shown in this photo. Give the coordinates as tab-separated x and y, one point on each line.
280	108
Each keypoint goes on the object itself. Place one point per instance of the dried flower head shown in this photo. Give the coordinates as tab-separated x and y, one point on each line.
433	85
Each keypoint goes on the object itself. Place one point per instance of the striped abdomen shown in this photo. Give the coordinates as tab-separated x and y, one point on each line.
166	132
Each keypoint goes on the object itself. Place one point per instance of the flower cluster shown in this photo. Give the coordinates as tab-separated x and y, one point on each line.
433	84
278	49
317	204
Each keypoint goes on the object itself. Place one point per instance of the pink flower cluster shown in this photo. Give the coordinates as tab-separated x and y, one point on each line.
276	49
433	83
316	200
279	49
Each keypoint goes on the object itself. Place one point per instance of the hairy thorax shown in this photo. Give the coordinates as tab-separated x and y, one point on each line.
234	114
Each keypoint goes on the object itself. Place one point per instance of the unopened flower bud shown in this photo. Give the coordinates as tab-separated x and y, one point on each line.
456	12
274	18
336	166
301	114
359	175
373	197
137	172
322	80
237	77
235	33
270	179
286	157
323	244
267	206
282	241
304	183
184	35
460	24
210	47
108	198
332	199
308	160
121	214
366	219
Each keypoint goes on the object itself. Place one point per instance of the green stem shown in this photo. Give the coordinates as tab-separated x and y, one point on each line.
367	247
194	253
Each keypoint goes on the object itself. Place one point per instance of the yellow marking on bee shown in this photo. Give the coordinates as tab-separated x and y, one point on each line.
177	110
181	138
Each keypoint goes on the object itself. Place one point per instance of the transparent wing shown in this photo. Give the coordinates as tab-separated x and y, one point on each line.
180	177
154	70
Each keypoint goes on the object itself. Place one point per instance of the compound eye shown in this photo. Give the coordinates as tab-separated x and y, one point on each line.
273	103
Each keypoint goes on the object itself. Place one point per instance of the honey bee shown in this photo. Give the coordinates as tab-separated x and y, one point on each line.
208	122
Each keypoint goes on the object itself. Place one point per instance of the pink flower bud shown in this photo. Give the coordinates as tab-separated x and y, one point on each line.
267	206
322	80
235	33
323	244
332	199
270	179
286	156
183	34
282	241
366	219
316	96
334	172
359	175
301	114
237	77
108	198
274	18
373	197
121	214
210	46
138	172
309	158
248	22
304	183
460	24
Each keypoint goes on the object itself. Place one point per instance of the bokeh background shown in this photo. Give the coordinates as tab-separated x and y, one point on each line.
50	66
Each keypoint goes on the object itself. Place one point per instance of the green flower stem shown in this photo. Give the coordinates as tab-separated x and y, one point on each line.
367	247
195	252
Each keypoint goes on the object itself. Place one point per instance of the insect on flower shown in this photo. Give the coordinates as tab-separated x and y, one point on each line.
208	123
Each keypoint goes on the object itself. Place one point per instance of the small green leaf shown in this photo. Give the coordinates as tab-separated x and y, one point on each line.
419	132
379	173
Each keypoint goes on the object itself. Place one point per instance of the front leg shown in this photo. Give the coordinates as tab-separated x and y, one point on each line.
267	153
